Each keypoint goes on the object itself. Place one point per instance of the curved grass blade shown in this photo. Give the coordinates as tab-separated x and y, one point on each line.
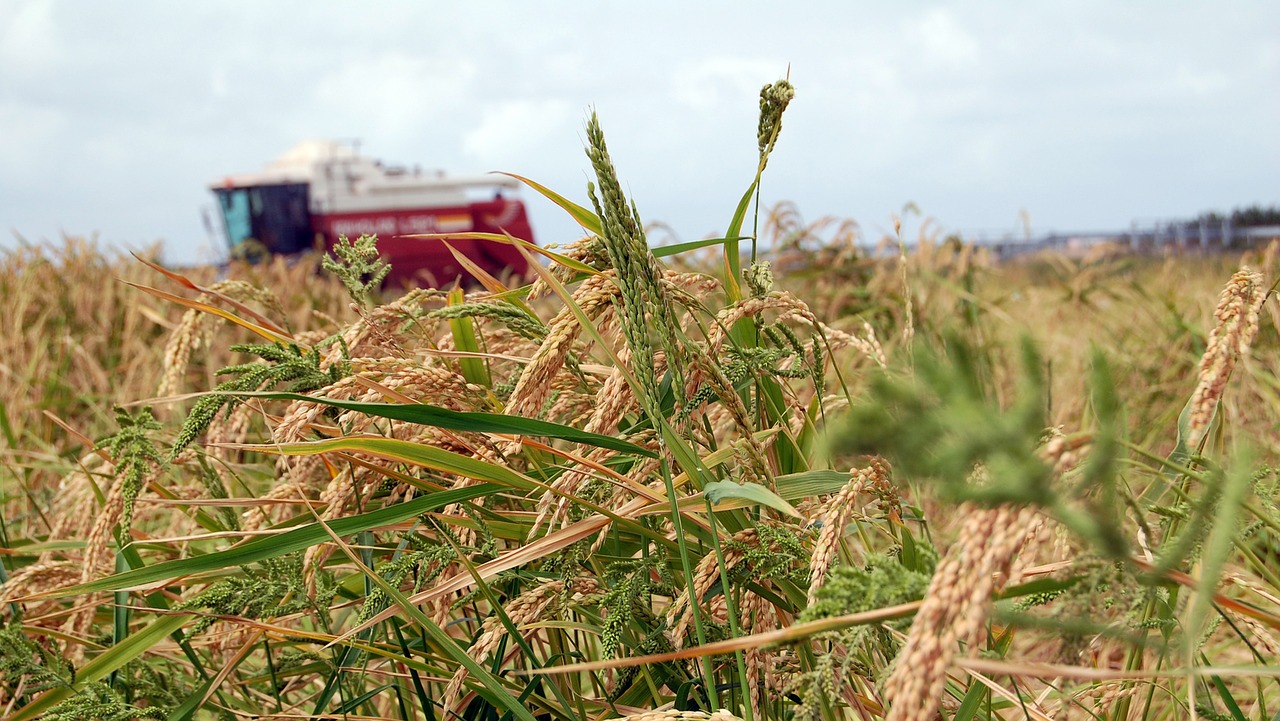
192	702
298	539
732	255
490	283
509	240
666	251
406	452
475	422
188	284
267	333
587	219
794	486
753	493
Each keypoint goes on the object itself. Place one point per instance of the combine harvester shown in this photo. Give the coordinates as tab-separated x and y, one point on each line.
322	189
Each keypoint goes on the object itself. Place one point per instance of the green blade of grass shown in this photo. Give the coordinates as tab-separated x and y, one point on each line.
587	219
1224	693
666	251
732	254
406	452
350	706
753	493
474	422
120	612
297	539
192	702
475	370
794	486
1217	548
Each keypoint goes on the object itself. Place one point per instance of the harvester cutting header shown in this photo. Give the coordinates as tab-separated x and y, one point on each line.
322	189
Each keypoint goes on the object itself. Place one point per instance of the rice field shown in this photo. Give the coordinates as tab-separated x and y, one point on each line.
747	478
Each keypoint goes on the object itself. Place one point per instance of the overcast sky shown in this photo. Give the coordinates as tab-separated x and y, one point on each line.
114	117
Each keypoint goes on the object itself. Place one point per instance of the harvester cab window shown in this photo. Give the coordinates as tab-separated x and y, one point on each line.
235	215
276	216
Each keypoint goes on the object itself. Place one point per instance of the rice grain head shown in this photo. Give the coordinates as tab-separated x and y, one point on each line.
758	615
646	308
1231	338
531	391
185	340
836	516
379	332
680	615
955	607
38	578
528	607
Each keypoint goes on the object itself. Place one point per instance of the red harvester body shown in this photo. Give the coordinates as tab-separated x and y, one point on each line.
323	189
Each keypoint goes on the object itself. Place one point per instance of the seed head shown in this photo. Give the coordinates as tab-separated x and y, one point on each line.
1231	339
773	101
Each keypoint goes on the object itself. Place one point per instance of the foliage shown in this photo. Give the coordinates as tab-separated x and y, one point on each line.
99	702
884	581
133	454
27	665
296	369
278	589
358	265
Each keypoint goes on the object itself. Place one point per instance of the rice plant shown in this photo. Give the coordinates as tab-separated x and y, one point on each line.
656	487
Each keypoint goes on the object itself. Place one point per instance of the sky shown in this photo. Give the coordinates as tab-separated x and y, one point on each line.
1076	115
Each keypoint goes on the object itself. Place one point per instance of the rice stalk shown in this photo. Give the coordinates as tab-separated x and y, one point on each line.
835	518
955	607
528	607
1231	338
643	297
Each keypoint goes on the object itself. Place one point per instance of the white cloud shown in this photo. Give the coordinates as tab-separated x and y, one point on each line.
31	136
517	129
710	83
944	43
219	83
394	93
28	37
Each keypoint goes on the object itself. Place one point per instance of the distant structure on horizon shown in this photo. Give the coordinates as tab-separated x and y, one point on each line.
1211	232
